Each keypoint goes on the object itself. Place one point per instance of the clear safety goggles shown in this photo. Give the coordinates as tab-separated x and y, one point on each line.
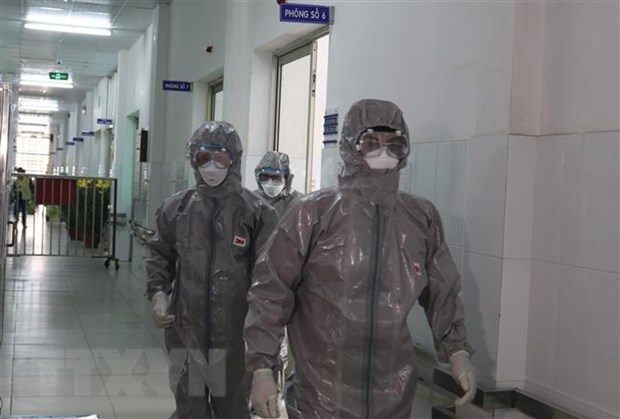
271	173
217	153
372	143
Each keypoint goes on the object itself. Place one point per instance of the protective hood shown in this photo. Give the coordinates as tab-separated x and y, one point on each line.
279	161
377	187
225	134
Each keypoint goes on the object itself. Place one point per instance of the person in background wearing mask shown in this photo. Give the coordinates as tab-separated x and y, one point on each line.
199	272
342	271
275	180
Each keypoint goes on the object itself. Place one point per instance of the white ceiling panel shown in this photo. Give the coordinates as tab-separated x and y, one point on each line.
88	57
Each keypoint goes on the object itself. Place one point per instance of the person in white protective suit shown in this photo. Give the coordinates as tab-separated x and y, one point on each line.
274	178
199	270
342	271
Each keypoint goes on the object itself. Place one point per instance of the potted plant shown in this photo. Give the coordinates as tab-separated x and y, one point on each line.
92	210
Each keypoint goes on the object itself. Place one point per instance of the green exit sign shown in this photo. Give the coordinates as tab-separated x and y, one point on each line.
57	75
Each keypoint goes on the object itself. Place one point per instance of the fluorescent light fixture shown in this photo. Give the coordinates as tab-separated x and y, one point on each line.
33	128
80	19
68	29
43	80
34	104
33	119
41	77
46	84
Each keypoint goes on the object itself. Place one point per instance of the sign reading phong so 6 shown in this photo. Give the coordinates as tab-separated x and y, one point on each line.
180	86
305	13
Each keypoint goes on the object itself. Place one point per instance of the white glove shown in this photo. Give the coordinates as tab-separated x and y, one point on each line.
160	309
265	394
463	374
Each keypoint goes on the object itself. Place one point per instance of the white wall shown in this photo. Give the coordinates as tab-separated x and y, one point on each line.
580	82
183	58
566	88
561	231
133	93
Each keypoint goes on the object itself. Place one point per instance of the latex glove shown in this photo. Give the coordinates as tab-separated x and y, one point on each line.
463	374
265	393
160	309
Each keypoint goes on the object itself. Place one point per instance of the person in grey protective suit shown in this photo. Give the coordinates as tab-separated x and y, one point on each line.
275	181
199	272
342	271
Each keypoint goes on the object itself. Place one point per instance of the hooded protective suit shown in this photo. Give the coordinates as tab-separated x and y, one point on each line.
279	161
203	253
342	272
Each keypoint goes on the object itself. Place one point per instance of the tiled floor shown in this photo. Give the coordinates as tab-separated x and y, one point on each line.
79	339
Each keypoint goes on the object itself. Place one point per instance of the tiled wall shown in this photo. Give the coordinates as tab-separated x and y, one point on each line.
467	182
573	314
533	225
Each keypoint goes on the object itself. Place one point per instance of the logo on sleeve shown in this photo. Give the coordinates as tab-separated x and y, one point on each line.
239	241
417	269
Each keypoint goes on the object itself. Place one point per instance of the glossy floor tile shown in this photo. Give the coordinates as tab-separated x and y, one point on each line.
79	339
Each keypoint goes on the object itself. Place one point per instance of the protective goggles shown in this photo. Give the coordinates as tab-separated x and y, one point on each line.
219	154
271	173
371	143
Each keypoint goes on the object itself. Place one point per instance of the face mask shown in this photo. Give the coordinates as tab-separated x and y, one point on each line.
211	174
382	162
272	189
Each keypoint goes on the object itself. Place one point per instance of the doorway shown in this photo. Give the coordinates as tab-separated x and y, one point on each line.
215	110
300	103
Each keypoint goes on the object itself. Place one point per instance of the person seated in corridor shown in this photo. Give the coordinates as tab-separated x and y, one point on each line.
199	271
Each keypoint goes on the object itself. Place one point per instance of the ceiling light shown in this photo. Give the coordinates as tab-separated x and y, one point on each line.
68	29
33	127
46	84
41	105
33	119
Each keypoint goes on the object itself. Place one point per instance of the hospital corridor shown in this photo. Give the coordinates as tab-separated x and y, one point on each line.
317	209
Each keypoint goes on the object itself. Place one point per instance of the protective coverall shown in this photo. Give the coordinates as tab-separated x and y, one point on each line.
203	253
342	272
279	161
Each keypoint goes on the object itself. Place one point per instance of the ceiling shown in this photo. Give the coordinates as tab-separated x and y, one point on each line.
87	58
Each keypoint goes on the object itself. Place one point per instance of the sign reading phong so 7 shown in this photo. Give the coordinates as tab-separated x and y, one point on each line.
305	13
180	86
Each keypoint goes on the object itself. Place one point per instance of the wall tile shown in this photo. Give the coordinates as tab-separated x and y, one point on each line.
485	193
544	319
573	333
481	294
599	229
515	295
450	188
518	228
557	199
424	159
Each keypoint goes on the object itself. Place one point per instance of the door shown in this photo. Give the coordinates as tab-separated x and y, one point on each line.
300	104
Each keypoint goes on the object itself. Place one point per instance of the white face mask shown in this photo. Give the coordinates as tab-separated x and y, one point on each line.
382	162
272	189
212	175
